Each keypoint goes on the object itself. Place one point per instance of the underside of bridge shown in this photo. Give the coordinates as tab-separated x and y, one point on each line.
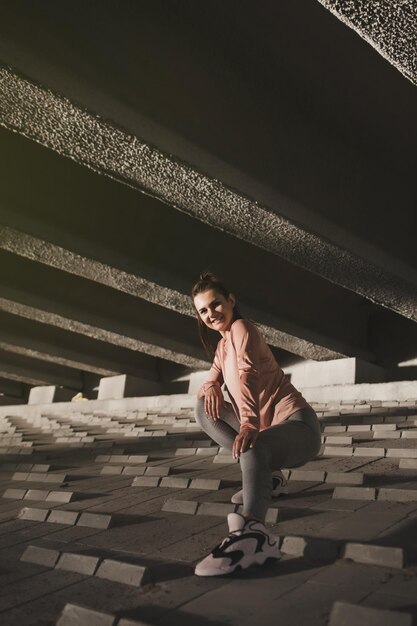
142	142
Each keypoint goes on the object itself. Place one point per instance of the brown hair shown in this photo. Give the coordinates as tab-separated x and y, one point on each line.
207	281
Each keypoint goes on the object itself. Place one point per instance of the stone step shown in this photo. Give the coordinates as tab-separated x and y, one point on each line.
39	494
376	493
75	615
192	507
40	477
345	613
71	518
120	571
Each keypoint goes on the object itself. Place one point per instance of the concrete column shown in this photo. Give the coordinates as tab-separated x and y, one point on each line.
49	393
334	372
112	387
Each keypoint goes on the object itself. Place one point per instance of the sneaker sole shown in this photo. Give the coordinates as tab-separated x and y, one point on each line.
259	559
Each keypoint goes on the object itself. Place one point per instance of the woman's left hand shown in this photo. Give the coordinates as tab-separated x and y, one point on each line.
243	441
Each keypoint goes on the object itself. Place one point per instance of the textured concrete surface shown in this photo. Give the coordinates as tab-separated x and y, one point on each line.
94	143
389	26
31	247
95	331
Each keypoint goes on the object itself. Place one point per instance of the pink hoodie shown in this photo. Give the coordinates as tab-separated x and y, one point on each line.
260	393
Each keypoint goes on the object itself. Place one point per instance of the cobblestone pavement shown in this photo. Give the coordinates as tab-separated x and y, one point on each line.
104	516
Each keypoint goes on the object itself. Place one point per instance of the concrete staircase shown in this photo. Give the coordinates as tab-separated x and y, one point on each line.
135	496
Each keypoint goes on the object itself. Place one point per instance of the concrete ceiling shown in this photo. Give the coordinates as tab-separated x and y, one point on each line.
144	142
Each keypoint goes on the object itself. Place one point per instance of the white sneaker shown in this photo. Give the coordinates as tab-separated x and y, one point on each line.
279	485
248	543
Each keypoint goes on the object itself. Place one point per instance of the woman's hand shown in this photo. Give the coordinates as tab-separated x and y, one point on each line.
243	441
213	400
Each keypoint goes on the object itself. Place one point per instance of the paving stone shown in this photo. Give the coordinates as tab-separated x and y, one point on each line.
36	477
272	515
138	458
36	494
40	556
386	556
223	458
63	517
180	506
15	494
338	440
315	548
346	614
348	478
41	467
126	573
175	481
94	520
158	470
55	478
133	471
20	475
205	483
409	434
402	453
60	496
365	451
109	469
408	464
146	481
36	515
185	451
81	563
380	434
74	615
399	495
355	493
225	451
311	475
335	451
206	451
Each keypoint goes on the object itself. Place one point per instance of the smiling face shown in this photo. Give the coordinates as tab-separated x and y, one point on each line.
215	310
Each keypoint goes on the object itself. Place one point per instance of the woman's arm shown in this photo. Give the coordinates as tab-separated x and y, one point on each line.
215	377
246	340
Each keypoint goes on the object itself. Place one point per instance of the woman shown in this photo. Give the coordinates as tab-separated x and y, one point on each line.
267	426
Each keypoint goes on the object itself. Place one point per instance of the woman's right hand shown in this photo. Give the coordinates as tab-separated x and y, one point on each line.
213	401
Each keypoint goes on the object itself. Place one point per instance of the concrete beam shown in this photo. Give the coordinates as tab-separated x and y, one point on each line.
36	372
66	348
129	339
32	347
277	331
98	145
388	26
48	357
13	388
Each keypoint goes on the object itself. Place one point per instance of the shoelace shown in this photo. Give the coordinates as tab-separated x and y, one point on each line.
227	540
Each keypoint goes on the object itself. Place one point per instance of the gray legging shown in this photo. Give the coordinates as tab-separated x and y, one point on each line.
291	443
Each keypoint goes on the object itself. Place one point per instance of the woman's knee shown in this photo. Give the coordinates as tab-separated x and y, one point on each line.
260	454
200	414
